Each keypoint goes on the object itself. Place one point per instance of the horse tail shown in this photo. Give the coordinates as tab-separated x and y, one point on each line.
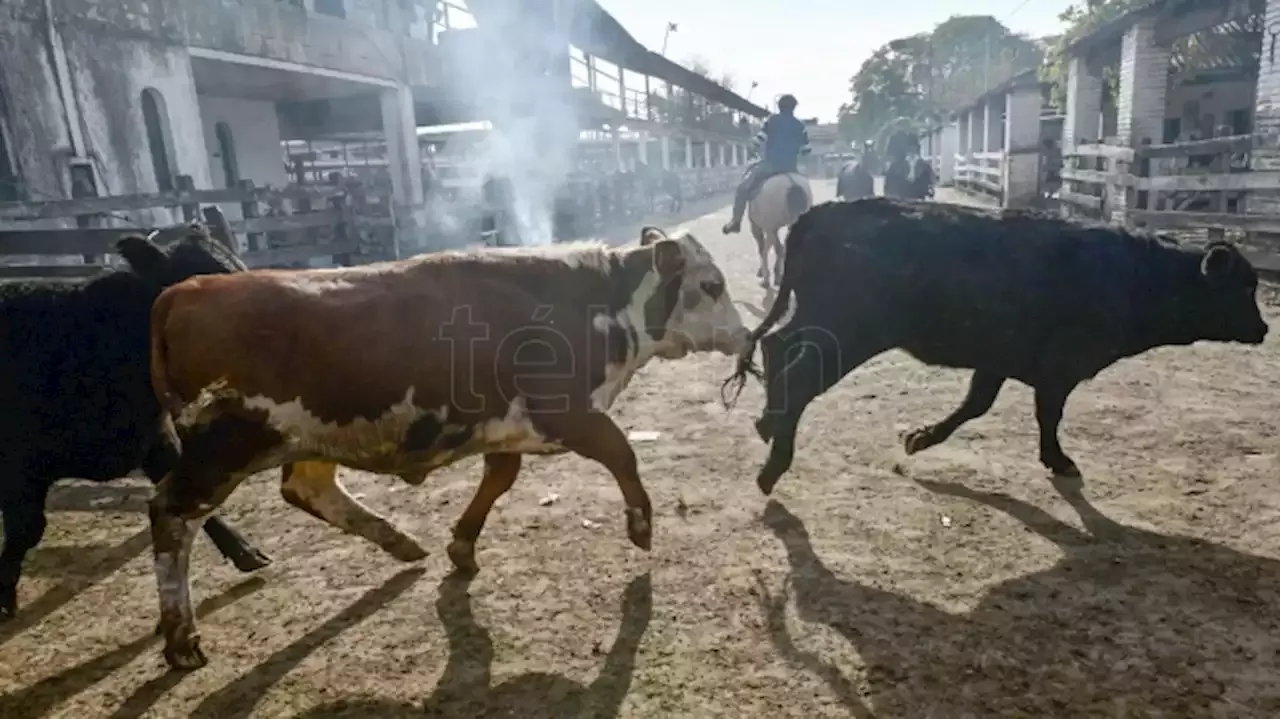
790	270
797	201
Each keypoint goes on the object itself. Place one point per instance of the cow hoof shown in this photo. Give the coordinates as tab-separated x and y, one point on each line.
406	550
185	656
917	441
463	555
767	480
251	561
638	529
6	613
764	430
1062	468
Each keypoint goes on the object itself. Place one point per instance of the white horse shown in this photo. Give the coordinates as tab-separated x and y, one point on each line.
779	202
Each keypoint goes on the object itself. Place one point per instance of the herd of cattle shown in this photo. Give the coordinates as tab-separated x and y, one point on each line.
201	373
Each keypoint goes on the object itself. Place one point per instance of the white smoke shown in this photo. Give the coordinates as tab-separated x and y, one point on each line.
513	70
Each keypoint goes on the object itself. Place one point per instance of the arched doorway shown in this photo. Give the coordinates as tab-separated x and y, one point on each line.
227	153
156	122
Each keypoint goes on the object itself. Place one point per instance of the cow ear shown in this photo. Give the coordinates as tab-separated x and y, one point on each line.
1218	262
668	257
650	235
143	256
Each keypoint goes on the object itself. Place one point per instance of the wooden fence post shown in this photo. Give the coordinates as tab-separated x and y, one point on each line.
344	230
83	185
185	183
250	210
220	229
279	238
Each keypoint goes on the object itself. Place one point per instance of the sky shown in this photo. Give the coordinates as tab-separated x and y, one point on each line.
809	48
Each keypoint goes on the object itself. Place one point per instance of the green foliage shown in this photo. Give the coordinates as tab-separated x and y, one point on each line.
923	77
1080	20
691	109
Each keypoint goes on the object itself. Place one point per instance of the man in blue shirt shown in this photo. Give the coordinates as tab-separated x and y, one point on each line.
784	139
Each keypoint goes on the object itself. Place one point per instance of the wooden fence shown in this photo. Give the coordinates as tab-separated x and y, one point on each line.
1197	189
278	228
982	172
342	223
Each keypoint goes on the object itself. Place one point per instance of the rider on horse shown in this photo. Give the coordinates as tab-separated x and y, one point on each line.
784	139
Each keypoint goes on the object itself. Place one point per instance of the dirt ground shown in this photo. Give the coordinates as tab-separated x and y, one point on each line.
960	582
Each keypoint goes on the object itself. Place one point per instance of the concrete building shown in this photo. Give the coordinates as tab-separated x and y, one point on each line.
125	97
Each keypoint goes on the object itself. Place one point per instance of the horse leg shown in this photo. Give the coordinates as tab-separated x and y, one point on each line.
762	246
776	242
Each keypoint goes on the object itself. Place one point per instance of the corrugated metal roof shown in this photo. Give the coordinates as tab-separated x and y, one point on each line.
597	32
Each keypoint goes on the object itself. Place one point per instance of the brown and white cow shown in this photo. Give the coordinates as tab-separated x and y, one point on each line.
405	367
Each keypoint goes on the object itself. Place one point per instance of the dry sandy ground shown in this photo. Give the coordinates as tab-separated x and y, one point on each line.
957	583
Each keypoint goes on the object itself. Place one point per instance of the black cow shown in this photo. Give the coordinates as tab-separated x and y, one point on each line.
75	390
854	182
1012	294
921	179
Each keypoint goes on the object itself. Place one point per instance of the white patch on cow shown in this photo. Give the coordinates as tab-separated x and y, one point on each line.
706	325
359	441
641	346
311	284
589	254
513	433
171	578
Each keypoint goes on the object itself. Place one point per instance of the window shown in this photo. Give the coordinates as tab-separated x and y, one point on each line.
154	120
8	178
9	189
1239	122
227	152
336	8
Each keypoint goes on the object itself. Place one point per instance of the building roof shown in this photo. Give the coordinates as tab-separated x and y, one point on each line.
1026	78
596	32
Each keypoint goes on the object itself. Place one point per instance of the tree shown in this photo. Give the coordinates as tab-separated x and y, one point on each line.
1082	19
925	76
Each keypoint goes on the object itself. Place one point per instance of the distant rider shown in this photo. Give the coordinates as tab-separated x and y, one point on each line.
784	138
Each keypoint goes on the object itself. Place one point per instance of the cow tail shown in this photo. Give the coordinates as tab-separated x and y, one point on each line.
790	270
160	354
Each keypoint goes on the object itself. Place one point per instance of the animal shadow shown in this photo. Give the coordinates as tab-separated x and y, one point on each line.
40	698
78	569
239	698
465	688
1127	623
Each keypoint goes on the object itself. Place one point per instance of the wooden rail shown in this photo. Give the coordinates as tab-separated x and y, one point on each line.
1197	189
282	227
981	171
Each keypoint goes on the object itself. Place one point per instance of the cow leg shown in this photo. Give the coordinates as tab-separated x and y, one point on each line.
983	388
314	488
821	364
22	509
160	460
1050	401
762	247
595	436
773	347
181	503
500	471
216	457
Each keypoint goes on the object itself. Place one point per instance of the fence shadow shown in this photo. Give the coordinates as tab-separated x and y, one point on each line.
239	698
40	698
465	688
1127	623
